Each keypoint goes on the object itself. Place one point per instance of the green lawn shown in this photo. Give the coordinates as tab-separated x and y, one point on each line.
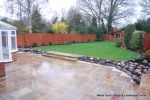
94	49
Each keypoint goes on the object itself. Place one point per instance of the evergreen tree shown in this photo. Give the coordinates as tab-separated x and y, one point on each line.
143	25
127	34
37	22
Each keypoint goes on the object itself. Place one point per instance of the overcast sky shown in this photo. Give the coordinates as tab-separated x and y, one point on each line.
55	8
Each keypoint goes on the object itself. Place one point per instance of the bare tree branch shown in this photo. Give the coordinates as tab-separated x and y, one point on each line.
114	10
25	8
146	6
91	9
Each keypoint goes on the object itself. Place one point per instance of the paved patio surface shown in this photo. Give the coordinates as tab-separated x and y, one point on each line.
34	77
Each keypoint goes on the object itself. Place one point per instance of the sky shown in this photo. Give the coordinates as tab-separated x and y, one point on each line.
2	9
55	7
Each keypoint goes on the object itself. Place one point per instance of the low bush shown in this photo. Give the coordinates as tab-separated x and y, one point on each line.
34	45
118	42
136	41
147	53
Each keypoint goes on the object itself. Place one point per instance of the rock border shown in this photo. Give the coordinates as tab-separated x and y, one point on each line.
134	68
31	50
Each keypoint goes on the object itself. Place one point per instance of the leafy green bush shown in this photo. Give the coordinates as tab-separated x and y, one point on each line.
118	42
136	42
127	34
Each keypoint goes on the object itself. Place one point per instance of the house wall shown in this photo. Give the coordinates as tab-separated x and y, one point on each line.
40	39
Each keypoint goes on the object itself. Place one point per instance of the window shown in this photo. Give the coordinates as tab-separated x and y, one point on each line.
5	48
4	40
13	41
13	33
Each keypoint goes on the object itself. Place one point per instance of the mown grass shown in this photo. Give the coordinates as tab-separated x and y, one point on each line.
103	49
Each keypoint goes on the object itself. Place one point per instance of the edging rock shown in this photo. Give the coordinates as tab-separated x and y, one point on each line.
134	68
31	50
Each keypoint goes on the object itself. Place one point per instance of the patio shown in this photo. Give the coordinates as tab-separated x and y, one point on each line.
34	77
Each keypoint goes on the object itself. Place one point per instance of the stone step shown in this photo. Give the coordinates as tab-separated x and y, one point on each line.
63	56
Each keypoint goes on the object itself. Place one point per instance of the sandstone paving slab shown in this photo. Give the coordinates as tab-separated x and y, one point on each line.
145	84
8	97
34	77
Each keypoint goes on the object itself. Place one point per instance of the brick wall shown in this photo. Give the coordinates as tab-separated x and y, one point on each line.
40	39
2	70
14	56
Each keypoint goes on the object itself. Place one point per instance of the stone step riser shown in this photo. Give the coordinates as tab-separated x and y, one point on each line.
60	57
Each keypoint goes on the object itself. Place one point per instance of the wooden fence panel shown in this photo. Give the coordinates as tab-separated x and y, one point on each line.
41	39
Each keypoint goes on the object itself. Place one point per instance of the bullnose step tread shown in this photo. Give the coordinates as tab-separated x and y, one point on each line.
61	56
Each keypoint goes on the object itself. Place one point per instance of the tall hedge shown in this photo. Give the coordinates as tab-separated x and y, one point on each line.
127	34
136	41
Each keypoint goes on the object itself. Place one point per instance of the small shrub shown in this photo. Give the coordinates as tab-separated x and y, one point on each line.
67	43
147	53
73	42
43	44
118	42
34	45
50	43
136	42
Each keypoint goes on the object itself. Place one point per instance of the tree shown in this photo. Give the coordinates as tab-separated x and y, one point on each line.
114	10
4	19
74	19
143	25
91	9
54	19
21	28
63	19
81	27
127	34
25	9
108	11
94	22
37	23
146	6
93	26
